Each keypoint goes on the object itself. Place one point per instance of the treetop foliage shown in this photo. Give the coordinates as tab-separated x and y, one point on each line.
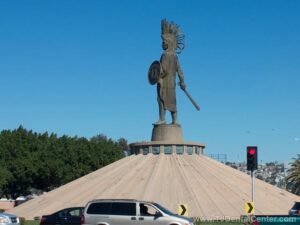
45	161
293	177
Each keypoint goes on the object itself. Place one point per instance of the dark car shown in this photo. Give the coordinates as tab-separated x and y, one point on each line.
68	216
295	210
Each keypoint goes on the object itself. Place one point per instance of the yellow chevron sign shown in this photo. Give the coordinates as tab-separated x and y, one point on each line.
183	210
249	207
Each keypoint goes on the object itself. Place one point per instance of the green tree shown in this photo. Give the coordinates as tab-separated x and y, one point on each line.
293	177
123	143
99	138
44	162
5	178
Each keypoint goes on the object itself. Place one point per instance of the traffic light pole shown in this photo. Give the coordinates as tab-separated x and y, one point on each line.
252	165
252	176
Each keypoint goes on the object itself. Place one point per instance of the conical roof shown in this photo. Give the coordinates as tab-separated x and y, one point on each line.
209	188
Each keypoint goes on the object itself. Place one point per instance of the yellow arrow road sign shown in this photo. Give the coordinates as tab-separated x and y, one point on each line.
249	207
183	210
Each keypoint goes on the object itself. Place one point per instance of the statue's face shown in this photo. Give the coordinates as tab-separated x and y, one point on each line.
165	44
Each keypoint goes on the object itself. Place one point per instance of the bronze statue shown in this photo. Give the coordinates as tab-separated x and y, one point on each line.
164	72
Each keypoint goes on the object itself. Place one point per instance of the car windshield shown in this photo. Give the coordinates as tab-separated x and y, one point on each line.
163	209
296	205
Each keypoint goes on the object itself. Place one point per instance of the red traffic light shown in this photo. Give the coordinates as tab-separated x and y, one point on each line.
252	151
252	158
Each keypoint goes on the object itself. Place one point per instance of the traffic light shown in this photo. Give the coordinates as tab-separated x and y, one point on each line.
252	158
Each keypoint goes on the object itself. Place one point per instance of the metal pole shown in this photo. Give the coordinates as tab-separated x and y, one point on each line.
252	176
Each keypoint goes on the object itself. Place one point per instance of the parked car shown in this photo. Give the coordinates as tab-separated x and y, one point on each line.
126	212
21	199
295	210
68	216
9	219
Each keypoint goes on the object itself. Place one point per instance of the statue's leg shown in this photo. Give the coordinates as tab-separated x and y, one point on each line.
162	113
174	117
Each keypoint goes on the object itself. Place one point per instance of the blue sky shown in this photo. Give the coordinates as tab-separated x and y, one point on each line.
80	68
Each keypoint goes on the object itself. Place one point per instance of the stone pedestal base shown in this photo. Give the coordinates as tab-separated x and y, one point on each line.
167	148
167	139
167	132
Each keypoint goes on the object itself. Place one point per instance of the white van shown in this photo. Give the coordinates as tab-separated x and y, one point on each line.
127	212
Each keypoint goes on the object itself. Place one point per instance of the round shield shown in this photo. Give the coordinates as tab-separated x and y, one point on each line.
154	72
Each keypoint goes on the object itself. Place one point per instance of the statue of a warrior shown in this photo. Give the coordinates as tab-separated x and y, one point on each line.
164	72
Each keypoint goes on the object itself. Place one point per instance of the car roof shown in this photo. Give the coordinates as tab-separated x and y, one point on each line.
7	214
119	200
77	207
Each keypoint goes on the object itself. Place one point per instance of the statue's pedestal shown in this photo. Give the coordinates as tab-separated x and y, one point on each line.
167	132
167	139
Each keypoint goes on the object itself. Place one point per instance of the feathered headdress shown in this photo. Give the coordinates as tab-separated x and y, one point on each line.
172	32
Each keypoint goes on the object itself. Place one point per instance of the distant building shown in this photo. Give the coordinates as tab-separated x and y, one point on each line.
272	172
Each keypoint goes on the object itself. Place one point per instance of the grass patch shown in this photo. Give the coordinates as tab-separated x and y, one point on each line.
31	222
